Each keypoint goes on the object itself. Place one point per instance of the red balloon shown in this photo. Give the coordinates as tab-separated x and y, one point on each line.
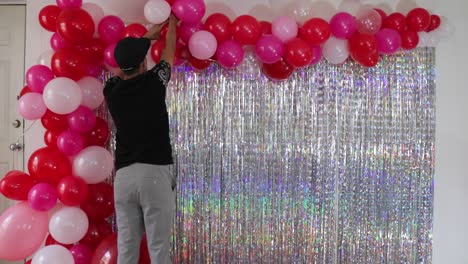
69	63
156	50
50	138
28	262
97	231
16	185
266	27
25	90
72	191
298	53
99	135
199	64
315	31
75	25
100	201
395	21
48	17
382	13
51	241
53	121
279	70
181	55
135	30
418	19
170	2
220	26
363	49
49	165
435	23
246	30
106	252
163	32
92	51
409	39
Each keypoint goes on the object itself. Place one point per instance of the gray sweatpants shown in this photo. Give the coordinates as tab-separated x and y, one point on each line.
144	200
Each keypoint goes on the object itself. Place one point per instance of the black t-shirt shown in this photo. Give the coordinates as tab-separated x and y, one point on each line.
138	108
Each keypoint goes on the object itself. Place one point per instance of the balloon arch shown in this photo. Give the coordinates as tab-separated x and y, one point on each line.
64	199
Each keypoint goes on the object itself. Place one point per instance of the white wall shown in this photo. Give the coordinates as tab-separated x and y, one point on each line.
451	214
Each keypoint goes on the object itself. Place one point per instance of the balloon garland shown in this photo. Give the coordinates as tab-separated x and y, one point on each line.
63	199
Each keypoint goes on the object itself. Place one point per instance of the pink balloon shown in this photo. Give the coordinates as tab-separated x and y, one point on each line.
388	40
68	4
202	45
343	25
38	76
82	254
230	54
189	11
82	119
91	89
109	56
94	164
31	106
369	21
18	222
57	42
285	28
42	197
269	49
110	29
186	30
70	142
316	55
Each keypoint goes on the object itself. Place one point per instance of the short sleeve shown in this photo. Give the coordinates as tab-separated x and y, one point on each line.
162	70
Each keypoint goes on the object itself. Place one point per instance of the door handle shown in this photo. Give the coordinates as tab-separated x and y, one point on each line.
16	146
16	123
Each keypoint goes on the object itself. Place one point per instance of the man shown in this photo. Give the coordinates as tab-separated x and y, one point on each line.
144	184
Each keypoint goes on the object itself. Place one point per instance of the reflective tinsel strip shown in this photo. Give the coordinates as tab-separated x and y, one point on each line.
334	165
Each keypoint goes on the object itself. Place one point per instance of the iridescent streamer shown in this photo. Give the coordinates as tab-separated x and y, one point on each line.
334	165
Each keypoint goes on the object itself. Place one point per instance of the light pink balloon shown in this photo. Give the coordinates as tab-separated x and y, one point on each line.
157	11
38	76
62	95
285	28
91	89
70	142
230	54
94	164
202	45
31	106
110	29
68	4
18	222
269	49
343	25
335	50
53	254
189	11
186	30
68	225
82	119
109	55
42	197
369	21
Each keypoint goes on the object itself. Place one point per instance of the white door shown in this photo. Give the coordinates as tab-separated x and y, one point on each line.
12	41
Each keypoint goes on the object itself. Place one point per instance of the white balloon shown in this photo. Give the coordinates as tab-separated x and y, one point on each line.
53	254
322	9
350	6
157	11
335	50
68	225
93	164
404	6
91	89
62	95
301	10
95	11
423	39
46	58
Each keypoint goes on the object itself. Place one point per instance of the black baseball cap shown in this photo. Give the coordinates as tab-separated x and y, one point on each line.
131	52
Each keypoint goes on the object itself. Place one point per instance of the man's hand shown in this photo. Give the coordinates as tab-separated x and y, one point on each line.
154	32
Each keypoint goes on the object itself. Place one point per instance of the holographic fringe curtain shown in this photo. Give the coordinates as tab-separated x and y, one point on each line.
334	165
